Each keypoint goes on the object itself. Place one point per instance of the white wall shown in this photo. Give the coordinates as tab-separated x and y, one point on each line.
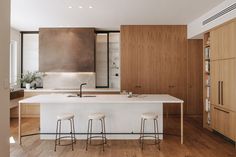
195	27
4	77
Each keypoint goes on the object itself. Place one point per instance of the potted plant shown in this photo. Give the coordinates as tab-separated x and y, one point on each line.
29	78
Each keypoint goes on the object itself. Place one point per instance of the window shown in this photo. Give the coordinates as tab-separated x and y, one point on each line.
13	63
108	60
30	52
102	60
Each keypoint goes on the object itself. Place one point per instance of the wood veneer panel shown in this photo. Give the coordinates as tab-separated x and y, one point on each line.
66	50
154	60
228	89
195	81
16	94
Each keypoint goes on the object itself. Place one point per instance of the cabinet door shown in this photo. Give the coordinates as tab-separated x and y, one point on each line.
129	61
228	40
194	95
228	84
215	42
215	80
223	121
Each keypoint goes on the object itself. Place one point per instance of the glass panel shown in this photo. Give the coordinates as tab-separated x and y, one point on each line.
114	60
101	60
30	52
13	63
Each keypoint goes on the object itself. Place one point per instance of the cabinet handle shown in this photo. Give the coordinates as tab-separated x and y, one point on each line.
221	110
222	95
219	92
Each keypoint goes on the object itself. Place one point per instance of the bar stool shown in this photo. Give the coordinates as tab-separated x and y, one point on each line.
149	116
70	118
101	117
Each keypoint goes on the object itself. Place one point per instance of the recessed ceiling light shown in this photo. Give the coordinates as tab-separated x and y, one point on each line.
80	7
70	7
90	7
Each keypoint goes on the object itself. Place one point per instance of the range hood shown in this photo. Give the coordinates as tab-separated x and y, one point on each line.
66	50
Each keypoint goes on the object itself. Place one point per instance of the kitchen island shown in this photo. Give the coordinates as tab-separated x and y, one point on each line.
123	114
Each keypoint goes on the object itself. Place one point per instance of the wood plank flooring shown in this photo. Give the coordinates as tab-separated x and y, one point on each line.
198	142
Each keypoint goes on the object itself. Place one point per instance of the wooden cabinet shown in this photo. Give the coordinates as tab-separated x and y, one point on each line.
223	121
223	76
215	41
154	60
223	66
195	81
223	86
223	41
158	60
215	83
228	40
228	84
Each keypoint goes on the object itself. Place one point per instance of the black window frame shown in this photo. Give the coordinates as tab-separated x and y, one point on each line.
108	52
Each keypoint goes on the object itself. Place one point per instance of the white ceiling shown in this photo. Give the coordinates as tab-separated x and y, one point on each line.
29	15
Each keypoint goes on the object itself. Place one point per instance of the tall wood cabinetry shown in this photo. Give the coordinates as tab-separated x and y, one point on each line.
154	60
223	77
194	74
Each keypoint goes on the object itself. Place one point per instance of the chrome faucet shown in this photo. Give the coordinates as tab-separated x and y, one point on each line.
80	89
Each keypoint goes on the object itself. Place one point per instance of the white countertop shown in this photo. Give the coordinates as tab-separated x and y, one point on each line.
117	98
72	90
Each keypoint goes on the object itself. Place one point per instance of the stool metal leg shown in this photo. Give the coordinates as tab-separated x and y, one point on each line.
71	135
159	147
88	133
142	141
103	141
56	137
91	130
104	129
59	132
73	122
155	130
141	129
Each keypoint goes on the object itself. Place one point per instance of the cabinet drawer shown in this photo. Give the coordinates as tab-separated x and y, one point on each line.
223	121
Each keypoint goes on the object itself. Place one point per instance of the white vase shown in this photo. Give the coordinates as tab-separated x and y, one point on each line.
27	85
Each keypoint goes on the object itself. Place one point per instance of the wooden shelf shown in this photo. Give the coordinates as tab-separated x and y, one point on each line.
206	60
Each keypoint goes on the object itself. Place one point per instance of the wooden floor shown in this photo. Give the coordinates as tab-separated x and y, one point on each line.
198	142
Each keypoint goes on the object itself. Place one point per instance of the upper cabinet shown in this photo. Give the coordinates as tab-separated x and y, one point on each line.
228	85
223	41
66	50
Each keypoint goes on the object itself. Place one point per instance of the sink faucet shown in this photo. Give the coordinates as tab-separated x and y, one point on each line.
80	88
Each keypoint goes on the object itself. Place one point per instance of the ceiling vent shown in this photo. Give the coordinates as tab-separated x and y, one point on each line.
219	14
